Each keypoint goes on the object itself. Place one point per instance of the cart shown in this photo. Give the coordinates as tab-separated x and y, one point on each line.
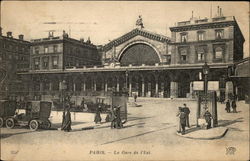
36	116
7	110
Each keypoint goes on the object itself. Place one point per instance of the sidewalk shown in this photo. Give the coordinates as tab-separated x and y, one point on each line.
203	134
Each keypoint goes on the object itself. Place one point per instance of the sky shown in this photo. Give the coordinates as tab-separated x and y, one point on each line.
103	21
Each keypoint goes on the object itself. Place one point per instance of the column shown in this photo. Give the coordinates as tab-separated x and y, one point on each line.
173	89
156	88
191	89
229	90
142	88
130	87
74	86
117	85
50	86
106	86
162	90
84	86
149	89
94	84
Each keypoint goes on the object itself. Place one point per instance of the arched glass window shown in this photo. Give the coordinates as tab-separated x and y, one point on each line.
218	53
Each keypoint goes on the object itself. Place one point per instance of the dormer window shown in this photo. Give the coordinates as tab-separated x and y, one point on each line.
219	34
201	35
218	53
183	37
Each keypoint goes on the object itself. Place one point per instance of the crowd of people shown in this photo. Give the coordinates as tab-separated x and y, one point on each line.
231	105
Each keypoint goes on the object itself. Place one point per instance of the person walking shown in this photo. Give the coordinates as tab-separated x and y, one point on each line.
98	118
116	119
183	121
227	106
179	120
234	106
208	118
135	97
187	112
66	125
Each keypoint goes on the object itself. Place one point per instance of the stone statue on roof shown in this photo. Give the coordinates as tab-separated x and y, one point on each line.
139	22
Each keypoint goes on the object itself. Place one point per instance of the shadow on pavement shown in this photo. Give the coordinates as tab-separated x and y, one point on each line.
58	125
137	118
4	136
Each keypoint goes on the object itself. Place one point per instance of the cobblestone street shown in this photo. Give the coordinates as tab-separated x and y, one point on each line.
150	133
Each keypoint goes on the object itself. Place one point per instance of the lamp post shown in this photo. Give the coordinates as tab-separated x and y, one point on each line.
205	70
63	87
126	74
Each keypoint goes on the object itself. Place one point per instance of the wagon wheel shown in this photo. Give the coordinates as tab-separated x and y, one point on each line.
34	125
10	123
48	124
1	122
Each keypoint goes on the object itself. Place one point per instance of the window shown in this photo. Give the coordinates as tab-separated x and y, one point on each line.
46	49
183	37
219	34
200	54
201	35
55	48
218	53
168	59
45	62
36	63
55	62
183	55
36	50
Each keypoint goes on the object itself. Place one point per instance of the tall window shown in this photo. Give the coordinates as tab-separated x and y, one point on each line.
183	55
46	49
45	62
201	55
183	37
36	50
55	48
36	63
218	53
201	35
219	34
55	62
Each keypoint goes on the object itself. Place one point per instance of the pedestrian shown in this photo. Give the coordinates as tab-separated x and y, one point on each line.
135	97
67	121
98	118
227	106
179	120
234	106
183	121
116	119
187	112
208	118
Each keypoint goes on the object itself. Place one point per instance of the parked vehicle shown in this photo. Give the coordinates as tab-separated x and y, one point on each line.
36	116
7	110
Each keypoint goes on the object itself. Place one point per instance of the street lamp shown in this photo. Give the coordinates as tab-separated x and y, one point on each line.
205	70
126	74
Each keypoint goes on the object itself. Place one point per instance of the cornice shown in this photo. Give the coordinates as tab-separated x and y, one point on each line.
202	26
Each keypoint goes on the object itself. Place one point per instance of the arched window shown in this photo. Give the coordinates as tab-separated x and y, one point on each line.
218	53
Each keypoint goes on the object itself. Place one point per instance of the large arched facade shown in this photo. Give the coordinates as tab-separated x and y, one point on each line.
138	53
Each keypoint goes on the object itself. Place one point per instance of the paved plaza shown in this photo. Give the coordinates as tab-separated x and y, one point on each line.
150	133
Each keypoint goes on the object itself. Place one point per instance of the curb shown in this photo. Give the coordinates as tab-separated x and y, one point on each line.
202	138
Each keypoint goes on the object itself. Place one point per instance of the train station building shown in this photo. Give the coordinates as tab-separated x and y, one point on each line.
142	62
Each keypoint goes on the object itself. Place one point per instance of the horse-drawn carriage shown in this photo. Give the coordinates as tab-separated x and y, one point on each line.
36	116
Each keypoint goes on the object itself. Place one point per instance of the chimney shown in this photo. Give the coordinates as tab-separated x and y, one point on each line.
82	40
9	34
1	31
20	37
220	11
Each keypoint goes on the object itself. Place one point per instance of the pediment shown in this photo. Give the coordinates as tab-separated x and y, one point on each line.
133	33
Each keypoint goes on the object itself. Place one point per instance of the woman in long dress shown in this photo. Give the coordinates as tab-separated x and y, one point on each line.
98	118
66	125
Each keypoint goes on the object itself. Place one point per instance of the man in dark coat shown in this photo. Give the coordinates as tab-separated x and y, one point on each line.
66	125
183	121
234	106
227	106
208	118
116	118
187	112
